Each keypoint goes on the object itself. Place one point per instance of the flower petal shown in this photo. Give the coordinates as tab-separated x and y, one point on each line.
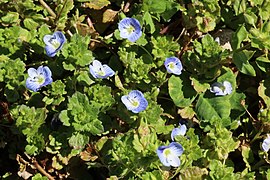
216	88
266	144
60	38
32	72
176	148
109	72
126	102
174	160
178	131
134	36
161	156
50	51
47	38
32	85
228	87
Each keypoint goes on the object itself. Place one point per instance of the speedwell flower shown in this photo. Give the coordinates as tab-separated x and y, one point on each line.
135	101
173	65
266	144
169	155
38	78
54	43
100	71
221	89
130	29
181	130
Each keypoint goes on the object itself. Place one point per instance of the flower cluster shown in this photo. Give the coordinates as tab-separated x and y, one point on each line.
169	155
221	89
42	76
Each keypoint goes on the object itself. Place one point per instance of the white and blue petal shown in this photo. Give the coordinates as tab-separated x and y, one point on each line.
266	144
32	85
130	29
228	87
54	43
97	70
221	89
50	51
169	155
178	131
135	101
173	65
161	156
32	72
38	78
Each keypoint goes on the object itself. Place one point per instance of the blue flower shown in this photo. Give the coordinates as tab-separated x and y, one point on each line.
169	155
173	65
100	71
179	131
221	89
38	78
130	29
266	144
135	101
54	43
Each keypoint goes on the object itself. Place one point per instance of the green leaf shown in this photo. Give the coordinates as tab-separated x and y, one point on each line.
78	141
247	155
154	6
193	173
263	91
30	24
199	86
11	17
241	60
84	78
38	176
63	116
239	6
213	108
149	21
240	35
263	63
181	91
31	149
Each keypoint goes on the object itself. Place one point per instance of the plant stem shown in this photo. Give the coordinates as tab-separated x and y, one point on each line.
146	51
50	11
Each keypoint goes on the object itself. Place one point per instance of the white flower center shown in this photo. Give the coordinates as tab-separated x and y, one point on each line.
134	102
167	152
101	71
39	79
54	42
171	65
130	29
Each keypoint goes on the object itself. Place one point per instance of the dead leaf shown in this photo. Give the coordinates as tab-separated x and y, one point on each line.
97	4
109	16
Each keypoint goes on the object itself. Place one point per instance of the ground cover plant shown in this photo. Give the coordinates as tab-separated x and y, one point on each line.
152	89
